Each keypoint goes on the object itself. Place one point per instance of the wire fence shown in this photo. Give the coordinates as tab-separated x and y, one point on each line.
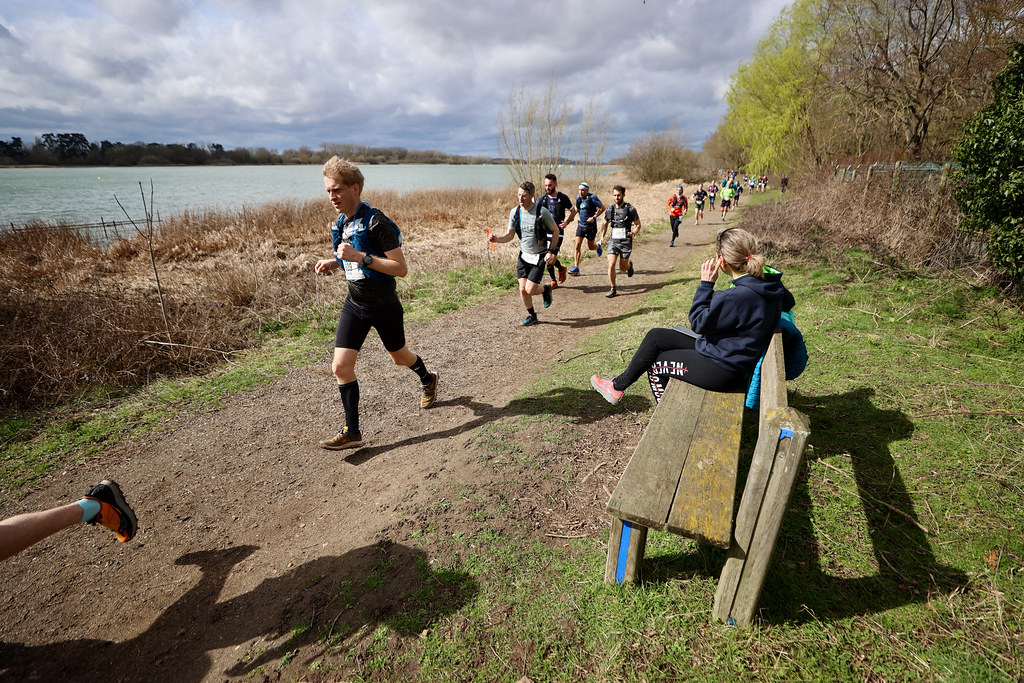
888	176
928	170
893	173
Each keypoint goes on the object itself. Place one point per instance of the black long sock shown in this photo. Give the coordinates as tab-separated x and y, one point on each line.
420	369
350	401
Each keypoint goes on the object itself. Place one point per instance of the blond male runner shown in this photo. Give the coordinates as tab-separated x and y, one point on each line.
368	246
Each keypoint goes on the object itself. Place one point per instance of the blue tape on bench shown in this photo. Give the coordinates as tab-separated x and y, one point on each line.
785	434
620	565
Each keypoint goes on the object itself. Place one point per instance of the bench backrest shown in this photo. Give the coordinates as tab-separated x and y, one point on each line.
774	468
773	376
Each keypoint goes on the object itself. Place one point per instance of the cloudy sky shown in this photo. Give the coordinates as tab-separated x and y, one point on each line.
421	74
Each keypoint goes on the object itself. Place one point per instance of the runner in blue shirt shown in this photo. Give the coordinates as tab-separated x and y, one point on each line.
589	208
368	248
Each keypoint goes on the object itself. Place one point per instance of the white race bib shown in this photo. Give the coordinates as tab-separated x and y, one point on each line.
532	259
618	233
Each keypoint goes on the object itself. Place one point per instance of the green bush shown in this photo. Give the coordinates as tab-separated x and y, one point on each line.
990	180
657	157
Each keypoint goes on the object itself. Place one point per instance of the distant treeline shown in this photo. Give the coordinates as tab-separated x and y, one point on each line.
74	149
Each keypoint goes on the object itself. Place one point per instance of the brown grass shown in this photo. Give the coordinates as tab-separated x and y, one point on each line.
75	317
918	229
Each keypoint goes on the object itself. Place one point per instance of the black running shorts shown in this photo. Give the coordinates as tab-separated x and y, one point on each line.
588	230
355	321
533	273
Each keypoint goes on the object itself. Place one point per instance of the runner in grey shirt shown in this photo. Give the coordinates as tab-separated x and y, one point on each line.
536	248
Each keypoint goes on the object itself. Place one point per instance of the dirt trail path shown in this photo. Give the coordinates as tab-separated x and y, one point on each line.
240	512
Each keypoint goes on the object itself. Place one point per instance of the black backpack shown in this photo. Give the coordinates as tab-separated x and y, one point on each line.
539	231
625	219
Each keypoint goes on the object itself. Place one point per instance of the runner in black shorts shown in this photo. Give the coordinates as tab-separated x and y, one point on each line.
368	246
727	193
699	196
538	247
589	207
557	203
625	224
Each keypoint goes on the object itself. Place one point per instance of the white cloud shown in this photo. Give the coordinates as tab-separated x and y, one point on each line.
418	74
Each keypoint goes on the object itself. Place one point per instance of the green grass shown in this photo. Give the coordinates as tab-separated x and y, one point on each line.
901	553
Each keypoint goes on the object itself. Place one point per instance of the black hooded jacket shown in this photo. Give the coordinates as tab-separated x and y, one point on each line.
736	324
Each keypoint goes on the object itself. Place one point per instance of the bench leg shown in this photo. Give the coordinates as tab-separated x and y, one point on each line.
626	544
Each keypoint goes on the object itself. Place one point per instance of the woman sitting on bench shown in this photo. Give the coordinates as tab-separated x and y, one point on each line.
729	329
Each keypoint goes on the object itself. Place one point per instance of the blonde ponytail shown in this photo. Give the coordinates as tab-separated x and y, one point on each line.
741	251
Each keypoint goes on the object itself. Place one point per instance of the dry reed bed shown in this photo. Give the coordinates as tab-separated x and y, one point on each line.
917	228
75	317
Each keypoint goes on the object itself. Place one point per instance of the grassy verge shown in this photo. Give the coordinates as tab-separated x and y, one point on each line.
900	555
34	443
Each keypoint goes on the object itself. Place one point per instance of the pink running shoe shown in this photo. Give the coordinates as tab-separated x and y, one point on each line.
604	386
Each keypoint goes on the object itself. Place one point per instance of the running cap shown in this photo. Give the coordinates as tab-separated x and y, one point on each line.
679	187
584	186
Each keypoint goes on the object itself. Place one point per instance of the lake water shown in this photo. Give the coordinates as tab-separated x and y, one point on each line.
84	196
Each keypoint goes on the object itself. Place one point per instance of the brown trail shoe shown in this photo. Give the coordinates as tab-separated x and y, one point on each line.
429	395
344	439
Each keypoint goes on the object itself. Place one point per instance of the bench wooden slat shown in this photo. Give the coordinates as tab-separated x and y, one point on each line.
773	472
703	505
647	487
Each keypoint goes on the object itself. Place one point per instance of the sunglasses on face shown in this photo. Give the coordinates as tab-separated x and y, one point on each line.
718	239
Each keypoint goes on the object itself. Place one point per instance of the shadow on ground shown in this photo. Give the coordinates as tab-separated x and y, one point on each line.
321	604
799	586
583	406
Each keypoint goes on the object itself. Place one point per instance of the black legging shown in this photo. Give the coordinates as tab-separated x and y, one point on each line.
665	353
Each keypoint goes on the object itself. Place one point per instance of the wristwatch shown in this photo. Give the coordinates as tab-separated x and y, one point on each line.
367	259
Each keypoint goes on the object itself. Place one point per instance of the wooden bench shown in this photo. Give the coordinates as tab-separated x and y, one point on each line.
682	478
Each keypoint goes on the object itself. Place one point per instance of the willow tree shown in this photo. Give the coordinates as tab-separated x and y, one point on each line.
775	97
